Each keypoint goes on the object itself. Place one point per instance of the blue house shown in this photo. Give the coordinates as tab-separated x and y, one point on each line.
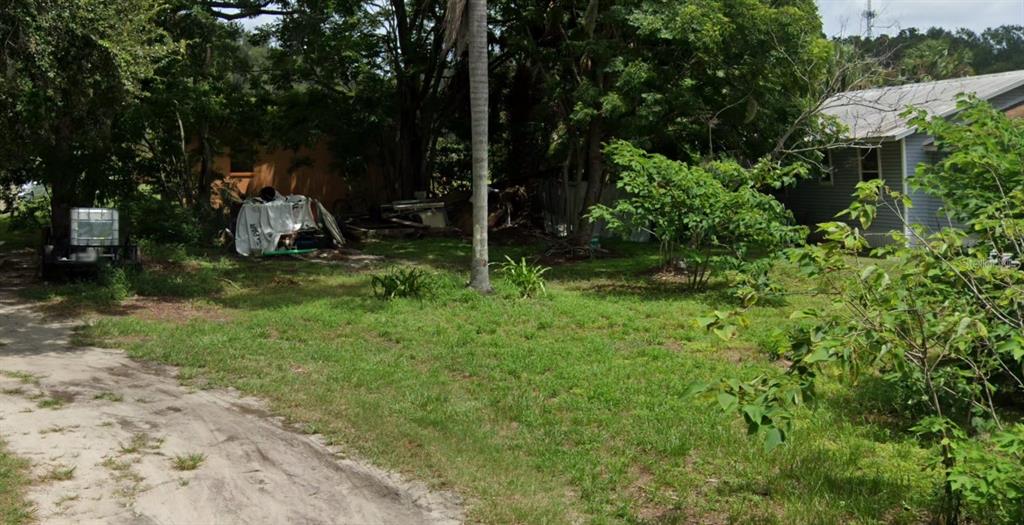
883	145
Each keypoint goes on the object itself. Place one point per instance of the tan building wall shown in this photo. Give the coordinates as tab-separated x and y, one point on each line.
1016	112
309	171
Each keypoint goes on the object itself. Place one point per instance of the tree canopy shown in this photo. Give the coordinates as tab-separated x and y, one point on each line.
153	97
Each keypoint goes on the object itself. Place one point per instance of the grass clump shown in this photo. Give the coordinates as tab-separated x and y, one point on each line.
141	442
50	402
401	282
526	278
59	473
116	465
188	461
23	377
113	397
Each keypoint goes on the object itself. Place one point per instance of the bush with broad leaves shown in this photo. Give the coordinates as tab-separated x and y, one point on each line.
934	314
706	218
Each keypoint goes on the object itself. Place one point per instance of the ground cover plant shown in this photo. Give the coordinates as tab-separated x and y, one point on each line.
571	406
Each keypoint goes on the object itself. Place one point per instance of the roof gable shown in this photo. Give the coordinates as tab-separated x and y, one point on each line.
875	113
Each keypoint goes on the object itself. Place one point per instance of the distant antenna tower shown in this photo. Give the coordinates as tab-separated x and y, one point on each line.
869	15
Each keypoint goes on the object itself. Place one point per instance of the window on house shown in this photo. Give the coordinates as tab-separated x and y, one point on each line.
827	173
243	160
870	164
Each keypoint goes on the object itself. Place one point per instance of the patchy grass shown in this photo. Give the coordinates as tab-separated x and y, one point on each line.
116	465
188	461
57	429
14	508
109	396
141	442
569	407
59	473
24	377
50	402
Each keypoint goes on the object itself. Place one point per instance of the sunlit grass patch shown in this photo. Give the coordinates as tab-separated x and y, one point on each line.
570	406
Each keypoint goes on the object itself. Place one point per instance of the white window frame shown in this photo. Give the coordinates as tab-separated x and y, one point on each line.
830	181
878	157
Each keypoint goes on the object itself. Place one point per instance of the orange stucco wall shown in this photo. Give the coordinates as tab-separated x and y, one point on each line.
309	171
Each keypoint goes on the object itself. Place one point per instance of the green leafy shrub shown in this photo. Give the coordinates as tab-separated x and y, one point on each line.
401	282
526	278
116	282
31	215
703	221
156	251
934	314
162	221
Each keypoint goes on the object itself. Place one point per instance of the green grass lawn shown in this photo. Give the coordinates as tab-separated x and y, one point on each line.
14	510
565	408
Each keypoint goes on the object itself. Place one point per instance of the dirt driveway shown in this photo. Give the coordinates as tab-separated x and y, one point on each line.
112	440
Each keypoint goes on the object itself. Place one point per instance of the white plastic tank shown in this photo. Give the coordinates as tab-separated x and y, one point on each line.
94	227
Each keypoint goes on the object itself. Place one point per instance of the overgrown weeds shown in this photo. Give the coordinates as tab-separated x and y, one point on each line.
399	282
526	278
188	461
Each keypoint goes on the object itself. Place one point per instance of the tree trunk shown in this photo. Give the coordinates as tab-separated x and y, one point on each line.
62	199
61	172
595	180
205	189
412	152
478	104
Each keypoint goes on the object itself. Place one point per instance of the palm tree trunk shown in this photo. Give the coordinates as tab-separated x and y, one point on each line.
478	101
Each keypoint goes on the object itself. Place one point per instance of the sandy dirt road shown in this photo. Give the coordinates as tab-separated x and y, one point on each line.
102	433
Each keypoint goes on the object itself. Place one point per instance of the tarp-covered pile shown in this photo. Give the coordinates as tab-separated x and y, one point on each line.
263	224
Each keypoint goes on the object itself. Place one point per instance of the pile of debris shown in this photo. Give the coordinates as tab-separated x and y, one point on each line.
272	224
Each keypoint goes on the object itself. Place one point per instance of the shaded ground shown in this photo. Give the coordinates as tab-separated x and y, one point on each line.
113	440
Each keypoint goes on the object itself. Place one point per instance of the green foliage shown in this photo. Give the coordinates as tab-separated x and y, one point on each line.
937	316
31	215
701	223
399	282
979	177
987	474
116	282
526	278
71	70
160	220
914	54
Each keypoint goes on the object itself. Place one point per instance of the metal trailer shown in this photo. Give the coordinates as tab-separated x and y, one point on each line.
96	238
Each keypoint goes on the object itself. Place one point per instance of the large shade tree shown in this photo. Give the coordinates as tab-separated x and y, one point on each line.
69	71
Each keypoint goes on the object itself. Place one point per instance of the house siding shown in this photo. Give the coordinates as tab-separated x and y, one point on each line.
814	202
927	209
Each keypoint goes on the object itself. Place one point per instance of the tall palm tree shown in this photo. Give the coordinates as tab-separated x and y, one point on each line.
467	21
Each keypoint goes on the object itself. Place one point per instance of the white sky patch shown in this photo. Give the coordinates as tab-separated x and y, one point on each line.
843	17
